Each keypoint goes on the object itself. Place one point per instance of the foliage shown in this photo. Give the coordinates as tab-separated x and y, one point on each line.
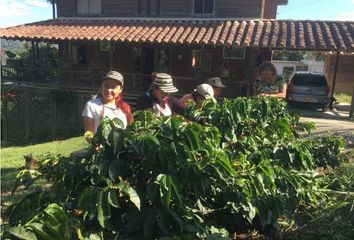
238	164
26	61
331	217
325	150
291	56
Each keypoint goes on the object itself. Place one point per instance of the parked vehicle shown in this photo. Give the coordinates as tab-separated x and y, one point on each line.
307	87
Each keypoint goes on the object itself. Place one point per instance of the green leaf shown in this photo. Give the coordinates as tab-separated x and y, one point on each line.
164	182
132	194
192	133
37	228
118	139
21	233
103	208
112	198
117	168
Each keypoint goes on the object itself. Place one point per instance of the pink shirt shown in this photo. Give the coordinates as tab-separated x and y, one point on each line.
185	98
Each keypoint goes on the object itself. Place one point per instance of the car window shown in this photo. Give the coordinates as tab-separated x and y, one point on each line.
309	80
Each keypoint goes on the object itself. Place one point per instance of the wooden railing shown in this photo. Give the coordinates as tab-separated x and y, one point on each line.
91	79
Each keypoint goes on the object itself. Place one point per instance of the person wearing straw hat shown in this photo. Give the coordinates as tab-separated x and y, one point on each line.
158	99
217	85
109	103
202	92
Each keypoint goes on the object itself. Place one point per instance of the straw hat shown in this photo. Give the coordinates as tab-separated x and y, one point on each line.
164	82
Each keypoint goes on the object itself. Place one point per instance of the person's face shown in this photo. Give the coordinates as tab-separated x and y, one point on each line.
217	91
111	89
199	100
267	75
159	94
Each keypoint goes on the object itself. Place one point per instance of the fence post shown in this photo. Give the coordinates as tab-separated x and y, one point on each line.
53	116
352	105
27	115
4	119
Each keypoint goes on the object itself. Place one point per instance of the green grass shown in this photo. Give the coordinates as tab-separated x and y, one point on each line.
343	97
12	161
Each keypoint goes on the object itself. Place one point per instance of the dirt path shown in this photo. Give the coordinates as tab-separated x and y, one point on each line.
344	128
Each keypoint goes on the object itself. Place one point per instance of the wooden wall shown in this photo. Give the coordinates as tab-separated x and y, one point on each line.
176	8
238	9
270	10
345	73
173	8
120	8
66	8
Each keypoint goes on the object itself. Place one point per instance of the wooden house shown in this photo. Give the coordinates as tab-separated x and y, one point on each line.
189	39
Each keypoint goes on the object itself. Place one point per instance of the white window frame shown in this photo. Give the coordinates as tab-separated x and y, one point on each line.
203	13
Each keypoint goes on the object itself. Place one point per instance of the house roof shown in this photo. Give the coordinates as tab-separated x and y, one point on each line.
282	2
275	34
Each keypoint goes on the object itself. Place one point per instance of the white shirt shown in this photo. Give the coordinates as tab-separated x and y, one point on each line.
94	109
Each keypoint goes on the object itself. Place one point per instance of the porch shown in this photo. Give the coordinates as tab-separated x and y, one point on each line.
191	51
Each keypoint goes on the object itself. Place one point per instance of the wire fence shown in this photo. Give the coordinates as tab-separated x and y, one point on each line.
31	114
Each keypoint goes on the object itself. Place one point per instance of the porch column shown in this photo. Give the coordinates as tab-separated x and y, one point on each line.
110	59
71	63
351	112
34	60
334	81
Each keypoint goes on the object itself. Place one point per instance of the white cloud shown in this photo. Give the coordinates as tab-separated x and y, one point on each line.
13	8
346	16
37	3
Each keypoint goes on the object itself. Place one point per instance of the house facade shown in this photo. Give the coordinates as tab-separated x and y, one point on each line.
138	37
189	39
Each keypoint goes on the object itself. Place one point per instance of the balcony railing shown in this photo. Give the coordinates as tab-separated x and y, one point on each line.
91	79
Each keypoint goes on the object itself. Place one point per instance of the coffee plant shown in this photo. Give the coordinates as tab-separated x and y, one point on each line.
227	166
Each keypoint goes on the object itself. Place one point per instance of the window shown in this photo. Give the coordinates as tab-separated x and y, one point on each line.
196	59
287	71
302	68
234	52
106	46
201	59
136	60
149	7
89	7
163	61
203	6
79	54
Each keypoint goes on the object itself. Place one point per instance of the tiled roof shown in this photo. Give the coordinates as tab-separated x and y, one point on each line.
275	34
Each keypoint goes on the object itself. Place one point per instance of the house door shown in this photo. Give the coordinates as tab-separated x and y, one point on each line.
148	64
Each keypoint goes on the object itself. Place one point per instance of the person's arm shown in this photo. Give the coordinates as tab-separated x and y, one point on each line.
281	94
144	102
88	124
176	105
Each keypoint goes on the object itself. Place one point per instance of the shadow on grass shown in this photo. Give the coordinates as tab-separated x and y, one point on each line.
336	225
8	180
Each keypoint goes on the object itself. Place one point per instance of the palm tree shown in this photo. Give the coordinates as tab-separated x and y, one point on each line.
53	6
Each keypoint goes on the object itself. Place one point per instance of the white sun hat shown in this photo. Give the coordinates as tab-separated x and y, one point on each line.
206	91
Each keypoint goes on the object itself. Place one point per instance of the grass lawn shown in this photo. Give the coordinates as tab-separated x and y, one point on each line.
12	161
343	97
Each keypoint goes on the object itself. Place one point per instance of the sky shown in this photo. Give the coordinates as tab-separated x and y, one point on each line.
16	12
